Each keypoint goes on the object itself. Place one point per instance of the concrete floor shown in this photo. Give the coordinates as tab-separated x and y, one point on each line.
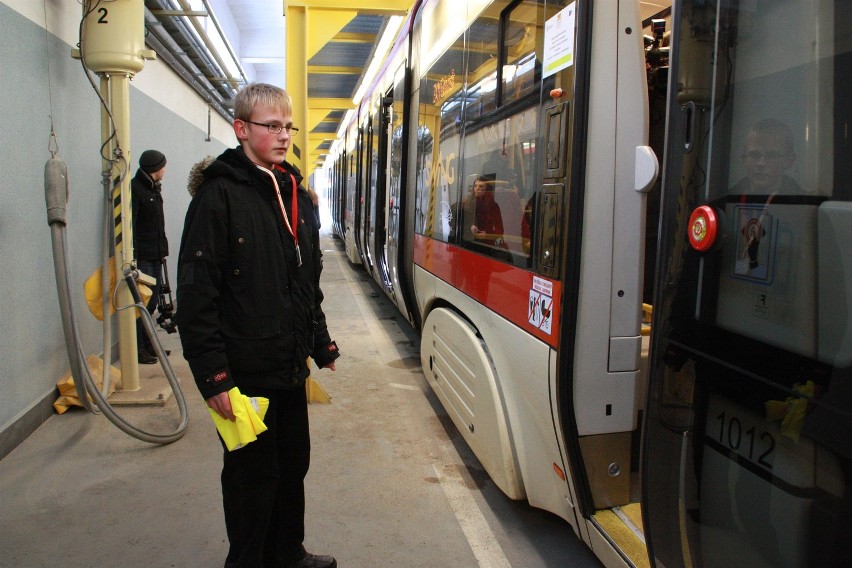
391	483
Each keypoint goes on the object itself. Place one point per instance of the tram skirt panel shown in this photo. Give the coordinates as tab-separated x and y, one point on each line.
458	368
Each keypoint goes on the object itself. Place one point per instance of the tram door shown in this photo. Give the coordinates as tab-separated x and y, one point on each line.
748	443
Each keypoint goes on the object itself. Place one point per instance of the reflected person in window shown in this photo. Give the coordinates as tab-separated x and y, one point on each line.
487	225
767	156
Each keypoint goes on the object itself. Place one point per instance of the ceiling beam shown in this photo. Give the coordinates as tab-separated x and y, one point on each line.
382	7
334	70
322	28
315	116
352	37
331	104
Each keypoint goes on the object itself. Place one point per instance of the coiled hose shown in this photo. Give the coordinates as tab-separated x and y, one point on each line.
56	198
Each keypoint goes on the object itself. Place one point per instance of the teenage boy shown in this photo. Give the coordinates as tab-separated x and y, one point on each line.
249	315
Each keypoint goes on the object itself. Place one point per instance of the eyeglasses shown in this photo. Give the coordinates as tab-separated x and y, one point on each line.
755	155
274	128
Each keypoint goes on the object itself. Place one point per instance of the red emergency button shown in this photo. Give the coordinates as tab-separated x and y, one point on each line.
703	228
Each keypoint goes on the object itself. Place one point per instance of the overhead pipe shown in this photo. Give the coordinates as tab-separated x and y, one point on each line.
186	47
227	43
157	40
202	33
203	52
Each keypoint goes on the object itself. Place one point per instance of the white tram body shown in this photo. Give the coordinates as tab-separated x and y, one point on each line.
499	181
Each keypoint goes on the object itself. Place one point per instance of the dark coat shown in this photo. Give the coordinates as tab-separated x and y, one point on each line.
149	222
246	313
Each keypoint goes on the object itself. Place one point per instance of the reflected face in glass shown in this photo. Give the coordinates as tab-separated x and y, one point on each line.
479	188
766	159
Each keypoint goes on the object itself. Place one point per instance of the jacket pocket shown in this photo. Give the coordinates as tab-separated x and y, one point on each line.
258	344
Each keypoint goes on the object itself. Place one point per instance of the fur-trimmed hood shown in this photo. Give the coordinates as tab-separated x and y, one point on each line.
196	174
231	163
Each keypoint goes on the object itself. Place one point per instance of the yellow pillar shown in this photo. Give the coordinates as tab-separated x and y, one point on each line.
117	93
297	81
113	46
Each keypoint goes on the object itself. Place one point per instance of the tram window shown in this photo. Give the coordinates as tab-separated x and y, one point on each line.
521	37
482	66
497	207
395	171
498	187
439	119
768	165
351	182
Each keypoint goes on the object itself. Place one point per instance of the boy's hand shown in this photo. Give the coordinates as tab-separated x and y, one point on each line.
221	403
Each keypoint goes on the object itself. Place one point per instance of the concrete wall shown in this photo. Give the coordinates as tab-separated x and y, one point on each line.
40	81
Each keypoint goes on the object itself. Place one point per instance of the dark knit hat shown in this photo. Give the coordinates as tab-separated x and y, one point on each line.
152	161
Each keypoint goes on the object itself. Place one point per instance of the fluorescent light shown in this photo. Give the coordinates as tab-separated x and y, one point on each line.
345	122
381	50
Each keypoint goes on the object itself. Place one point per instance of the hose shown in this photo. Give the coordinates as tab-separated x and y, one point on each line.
56	197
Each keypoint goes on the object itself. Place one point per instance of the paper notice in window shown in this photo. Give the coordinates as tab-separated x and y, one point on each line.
559	40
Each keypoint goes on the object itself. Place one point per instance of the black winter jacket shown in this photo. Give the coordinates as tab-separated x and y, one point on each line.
246	313
149	224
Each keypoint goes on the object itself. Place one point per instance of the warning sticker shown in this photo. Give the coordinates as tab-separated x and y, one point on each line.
755	244
540	308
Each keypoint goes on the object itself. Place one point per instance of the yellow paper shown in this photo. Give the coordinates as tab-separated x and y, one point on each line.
94	292
791	412
249	413
68	391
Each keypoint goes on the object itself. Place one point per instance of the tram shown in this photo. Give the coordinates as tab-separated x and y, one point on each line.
525	179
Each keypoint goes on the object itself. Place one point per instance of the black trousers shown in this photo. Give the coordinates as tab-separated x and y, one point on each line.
263	486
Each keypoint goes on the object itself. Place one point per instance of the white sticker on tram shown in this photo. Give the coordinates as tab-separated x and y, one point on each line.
483	543
540	308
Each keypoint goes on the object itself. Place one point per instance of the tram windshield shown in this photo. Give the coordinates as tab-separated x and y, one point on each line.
752	373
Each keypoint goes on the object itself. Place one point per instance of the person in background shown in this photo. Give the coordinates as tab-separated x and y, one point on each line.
150	245
315	199
249	316
487	222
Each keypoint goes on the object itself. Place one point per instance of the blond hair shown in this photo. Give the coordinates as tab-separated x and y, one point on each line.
265	94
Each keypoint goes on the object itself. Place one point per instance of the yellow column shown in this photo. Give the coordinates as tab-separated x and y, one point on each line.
113	46
297	81
115	89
